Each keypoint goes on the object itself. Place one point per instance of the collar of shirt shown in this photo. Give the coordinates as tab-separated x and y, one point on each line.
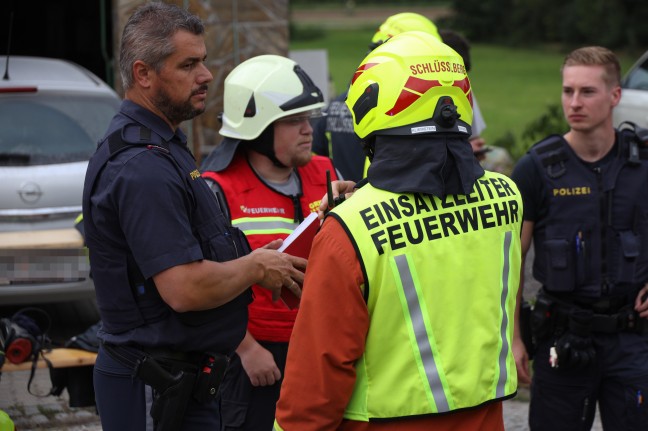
152	121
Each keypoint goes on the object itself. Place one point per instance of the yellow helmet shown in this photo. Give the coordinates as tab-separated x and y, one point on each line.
400	23
411	85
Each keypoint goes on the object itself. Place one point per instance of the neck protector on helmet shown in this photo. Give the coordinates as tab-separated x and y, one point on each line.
439	165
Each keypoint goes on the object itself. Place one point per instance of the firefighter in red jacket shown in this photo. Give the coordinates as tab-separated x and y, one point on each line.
266	178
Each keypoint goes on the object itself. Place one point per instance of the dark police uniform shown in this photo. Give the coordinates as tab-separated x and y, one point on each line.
146	209
590	231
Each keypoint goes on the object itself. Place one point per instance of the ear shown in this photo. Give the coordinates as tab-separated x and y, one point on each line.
142	74
616	95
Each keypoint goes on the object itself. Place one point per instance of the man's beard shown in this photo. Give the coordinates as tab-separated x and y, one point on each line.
299	160
176	113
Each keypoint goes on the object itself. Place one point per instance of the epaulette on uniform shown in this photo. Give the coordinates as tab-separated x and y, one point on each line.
637	140
135	134
552	155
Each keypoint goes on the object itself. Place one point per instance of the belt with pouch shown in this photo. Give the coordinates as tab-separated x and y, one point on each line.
175	377
609	315
130	355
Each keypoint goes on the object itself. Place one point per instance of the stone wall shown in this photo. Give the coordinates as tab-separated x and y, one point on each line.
235	31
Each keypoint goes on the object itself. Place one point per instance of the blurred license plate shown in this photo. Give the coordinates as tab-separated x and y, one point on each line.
43	265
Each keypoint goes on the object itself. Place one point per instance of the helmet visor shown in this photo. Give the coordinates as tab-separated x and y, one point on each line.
299	118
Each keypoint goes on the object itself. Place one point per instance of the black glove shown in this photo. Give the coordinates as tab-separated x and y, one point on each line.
575	348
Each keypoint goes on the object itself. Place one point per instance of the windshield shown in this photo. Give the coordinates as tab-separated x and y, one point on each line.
40	130
638	78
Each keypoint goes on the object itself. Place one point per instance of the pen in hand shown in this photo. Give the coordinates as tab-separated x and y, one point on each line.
331	201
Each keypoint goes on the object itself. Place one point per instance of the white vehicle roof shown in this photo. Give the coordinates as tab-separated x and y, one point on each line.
49	74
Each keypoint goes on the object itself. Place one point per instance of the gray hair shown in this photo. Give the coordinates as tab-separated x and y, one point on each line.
148	36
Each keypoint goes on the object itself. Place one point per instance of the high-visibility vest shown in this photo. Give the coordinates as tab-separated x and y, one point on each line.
264	215
441	279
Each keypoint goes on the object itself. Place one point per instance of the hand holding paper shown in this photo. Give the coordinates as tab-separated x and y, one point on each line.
299	243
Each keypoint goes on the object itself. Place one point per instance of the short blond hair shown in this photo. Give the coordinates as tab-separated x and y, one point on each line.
596	56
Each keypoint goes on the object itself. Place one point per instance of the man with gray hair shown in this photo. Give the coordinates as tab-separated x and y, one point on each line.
171	275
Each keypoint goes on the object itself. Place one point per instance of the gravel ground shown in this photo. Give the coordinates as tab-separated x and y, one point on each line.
31	413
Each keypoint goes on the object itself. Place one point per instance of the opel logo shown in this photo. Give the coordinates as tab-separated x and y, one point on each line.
30	193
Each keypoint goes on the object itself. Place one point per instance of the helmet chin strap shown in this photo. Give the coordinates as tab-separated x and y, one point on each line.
264	144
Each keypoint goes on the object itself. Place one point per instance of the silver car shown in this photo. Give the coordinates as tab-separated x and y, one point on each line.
634	96
52	114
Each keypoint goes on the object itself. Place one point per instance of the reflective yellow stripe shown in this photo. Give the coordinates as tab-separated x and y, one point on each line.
366	167
500	391
421	335
265	225
329	139
424	339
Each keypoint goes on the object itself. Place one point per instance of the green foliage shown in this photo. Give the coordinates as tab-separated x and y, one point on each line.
508	141
611	23
513	87
304	34
346	49
552	122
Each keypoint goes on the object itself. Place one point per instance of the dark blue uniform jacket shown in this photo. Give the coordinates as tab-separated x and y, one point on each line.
146	209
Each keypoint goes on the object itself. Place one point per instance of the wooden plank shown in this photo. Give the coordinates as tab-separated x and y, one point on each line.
59	357
55	238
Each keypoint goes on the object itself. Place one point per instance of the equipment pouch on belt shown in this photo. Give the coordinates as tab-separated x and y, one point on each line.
542	318
209	377
175	379
626	319
173	392
575	348
525	328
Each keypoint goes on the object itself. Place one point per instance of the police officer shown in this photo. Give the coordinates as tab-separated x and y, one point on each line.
586	210
171	275
265	173
394	330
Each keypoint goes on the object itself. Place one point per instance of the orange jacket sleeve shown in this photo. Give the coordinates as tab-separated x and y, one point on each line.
328	337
